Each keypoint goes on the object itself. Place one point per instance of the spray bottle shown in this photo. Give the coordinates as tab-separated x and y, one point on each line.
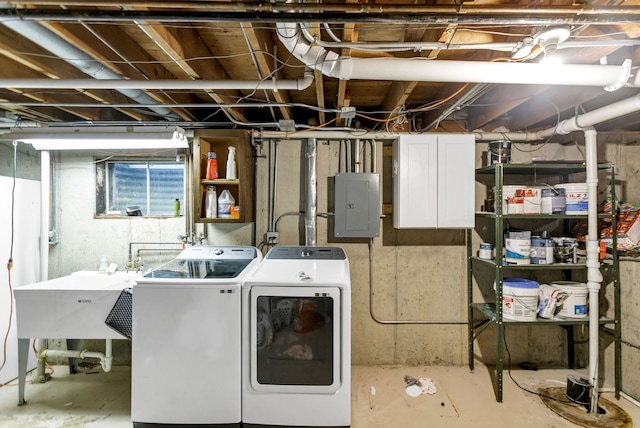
231	164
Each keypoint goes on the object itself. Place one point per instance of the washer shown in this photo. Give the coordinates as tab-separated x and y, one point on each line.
296	355
186	344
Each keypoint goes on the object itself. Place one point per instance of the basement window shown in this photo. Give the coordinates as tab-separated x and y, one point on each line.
151	185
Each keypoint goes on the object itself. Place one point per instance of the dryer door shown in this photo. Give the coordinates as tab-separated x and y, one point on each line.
295	339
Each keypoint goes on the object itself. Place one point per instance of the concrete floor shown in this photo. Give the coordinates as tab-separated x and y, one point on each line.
463	399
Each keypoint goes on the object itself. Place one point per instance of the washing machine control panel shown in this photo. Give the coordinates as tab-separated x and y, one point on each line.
301	253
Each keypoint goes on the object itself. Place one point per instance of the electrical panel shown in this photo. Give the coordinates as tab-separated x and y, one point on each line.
357	205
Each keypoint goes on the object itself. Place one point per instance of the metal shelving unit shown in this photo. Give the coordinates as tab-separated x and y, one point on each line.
483	315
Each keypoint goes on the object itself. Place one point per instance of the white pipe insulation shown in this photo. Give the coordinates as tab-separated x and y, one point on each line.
423	70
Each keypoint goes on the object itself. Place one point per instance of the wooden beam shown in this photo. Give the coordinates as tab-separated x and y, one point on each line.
170	46
260	42
350	34
318	79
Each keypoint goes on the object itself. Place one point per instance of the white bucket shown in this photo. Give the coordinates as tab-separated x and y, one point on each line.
520	299
575	305
517	251
576	198
532	200
508	194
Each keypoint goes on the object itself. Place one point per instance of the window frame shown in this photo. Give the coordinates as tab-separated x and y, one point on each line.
104	185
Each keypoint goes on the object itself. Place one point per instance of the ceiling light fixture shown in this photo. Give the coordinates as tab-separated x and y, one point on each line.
546	41
97	138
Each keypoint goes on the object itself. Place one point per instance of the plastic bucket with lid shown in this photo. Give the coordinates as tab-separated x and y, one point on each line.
553	201
499	152
532	200
575	305
520	299
509	197
517	251
576	199
541	251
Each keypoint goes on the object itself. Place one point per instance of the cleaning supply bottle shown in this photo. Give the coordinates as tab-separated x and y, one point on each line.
104	263
211	202
231	164
212	166
176	207
225	202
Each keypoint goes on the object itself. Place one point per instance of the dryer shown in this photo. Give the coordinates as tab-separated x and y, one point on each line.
296	335
186	344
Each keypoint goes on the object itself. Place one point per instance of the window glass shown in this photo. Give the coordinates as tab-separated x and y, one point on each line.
153	186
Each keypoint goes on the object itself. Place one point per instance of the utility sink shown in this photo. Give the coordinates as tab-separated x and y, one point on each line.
71	307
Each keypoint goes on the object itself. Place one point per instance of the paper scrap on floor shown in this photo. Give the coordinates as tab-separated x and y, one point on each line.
417	387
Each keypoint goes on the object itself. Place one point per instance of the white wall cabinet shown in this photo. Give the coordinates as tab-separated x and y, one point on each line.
433	181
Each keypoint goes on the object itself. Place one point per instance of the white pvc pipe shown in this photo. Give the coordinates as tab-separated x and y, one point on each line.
422	70
594	276
294	85
45	204
419	69
105	360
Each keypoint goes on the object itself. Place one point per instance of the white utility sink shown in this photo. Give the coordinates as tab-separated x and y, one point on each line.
70	307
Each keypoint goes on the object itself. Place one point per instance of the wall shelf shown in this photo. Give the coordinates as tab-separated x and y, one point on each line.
241	188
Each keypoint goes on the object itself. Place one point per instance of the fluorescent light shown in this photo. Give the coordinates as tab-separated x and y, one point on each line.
97	138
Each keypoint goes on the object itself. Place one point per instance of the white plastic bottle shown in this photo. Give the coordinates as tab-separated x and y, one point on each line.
225	202
231	164
211	202
104	263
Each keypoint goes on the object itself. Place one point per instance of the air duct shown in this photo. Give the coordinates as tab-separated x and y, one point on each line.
310	216
79	59
423	70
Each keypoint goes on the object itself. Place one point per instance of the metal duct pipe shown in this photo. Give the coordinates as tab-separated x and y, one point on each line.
79	59
421	46
124	85
421	70
310	215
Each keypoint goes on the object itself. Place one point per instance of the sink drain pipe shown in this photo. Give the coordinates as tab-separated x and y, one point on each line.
106	359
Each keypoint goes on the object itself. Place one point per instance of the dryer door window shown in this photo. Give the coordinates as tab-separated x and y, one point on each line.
295	339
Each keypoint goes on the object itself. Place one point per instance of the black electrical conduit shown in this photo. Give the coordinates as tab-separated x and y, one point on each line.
349	13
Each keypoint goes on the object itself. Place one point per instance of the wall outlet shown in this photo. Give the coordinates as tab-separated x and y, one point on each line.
271	238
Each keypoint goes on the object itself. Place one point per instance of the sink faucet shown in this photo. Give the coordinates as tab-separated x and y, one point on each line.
200	238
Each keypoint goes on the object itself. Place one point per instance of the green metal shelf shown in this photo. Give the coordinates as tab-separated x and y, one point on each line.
488	310
491	312
548	168
553	266
483	214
